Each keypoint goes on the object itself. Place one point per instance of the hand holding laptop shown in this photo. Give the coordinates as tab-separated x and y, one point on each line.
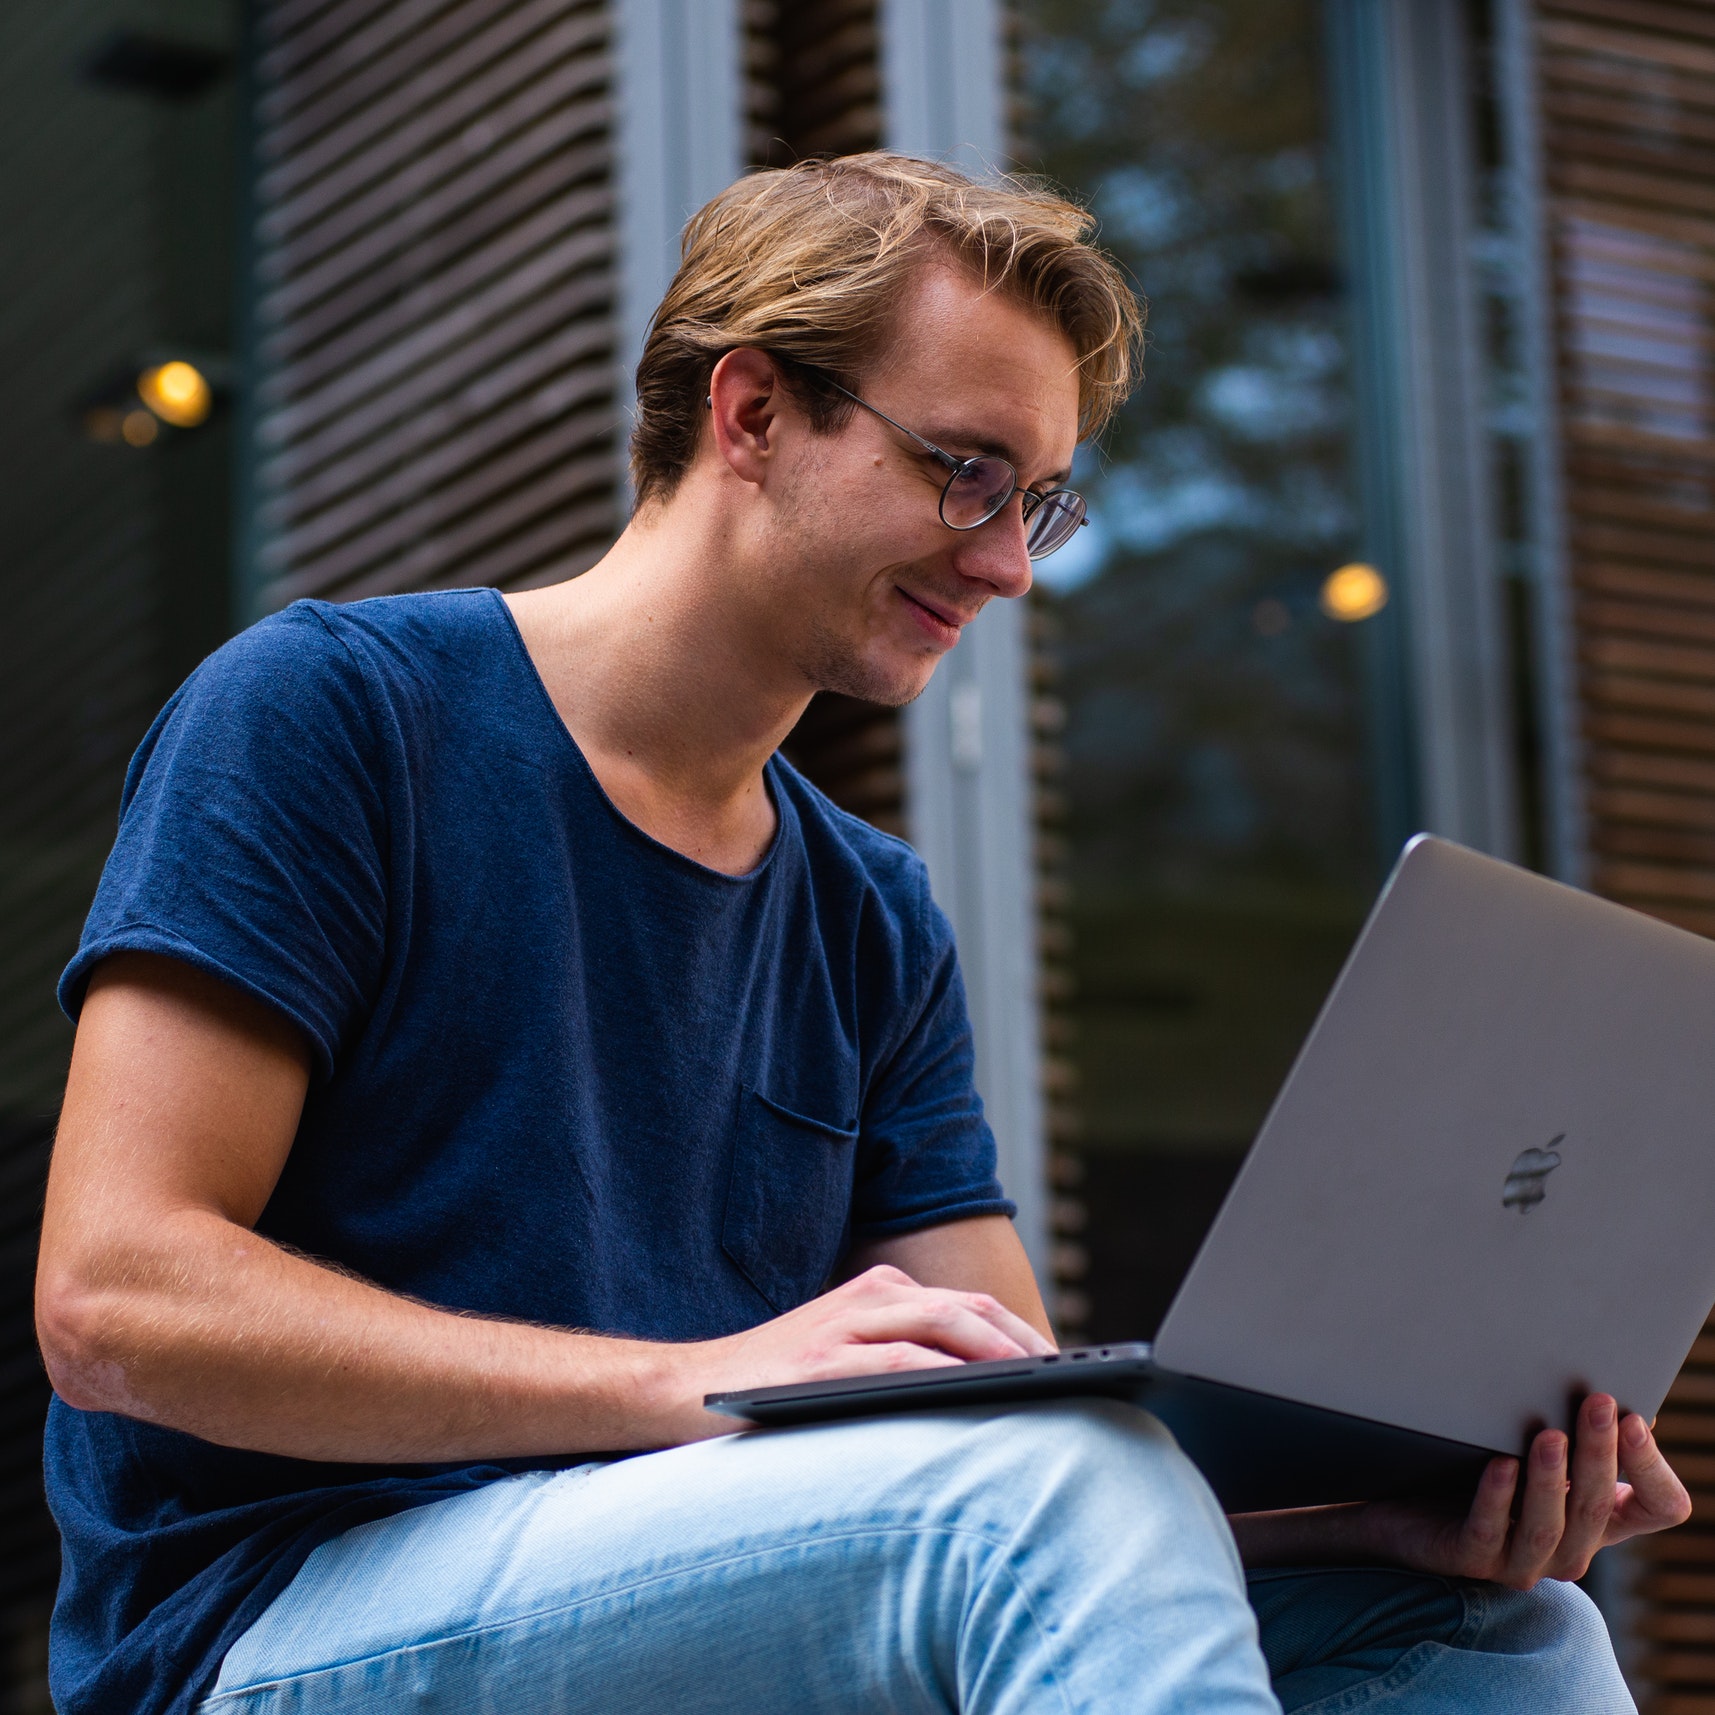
1619	1486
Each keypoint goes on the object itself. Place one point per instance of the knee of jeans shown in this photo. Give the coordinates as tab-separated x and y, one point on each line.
1107	1459
1552	1620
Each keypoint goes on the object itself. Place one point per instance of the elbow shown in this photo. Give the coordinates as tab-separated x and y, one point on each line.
74	1328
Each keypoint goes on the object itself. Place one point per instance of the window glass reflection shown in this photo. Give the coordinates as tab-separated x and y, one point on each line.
1211	619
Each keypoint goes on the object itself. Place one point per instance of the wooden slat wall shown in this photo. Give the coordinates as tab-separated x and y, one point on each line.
1628	107
434	334
816	78
1068	1214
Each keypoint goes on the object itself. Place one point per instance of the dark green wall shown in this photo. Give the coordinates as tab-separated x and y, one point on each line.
116	220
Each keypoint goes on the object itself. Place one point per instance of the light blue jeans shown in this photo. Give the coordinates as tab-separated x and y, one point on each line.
1065	1558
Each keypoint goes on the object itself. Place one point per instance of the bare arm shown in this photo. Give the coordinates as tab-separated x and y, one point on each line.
155	1298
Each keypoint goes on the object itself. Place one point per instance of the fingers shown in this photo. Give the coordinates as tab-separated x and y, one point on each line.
1572	1504
1541	1522
878	1357
882	1274
1482	1546
1656	1499
877	1322
972	1326
964	1326
1590	1499
1016	1328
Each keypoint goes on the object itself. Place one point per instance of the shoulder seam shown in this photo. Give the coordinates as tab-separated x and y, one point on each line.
357	663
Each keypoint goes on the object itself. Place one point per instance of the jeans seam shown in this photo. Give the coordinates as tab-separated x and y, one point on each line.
1476	1599
1356	1696
1410	1664
228	1698
1003	1566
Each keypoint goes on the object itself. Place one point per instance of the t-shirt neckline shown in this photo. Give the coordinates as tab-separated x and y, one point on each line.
581	764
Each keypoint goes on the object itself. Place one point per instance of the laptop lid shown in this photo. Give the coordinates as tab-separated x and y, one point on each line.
1488	1184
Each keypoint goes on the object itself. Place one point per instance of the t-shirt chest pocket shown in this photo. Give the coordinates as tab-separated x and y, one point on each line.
787	1200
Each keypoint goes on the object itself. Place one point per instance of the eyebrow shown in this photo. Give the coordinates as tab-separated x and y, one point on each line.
951	438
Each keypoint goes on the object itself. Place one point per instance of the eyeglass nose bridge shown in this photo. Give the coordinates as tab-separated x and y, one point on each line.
1056	531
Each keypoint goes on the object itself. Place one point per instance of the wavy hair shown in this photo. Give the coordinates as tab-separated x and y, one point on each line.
809	263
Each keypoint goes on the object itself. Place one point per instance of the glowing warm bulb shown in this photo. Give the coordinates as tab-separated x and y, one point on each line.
1354	592
177	393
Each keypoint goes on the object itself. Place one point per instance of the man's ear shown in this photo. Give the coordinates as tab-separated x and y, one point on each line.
745	405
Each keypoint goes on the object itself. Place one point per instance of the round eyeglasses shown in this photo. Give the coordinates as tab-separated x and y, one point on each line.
978	488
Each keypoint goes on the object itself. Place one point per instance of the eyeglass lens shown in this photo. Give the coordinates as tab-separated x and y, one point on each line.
980	487
977	490
1053	523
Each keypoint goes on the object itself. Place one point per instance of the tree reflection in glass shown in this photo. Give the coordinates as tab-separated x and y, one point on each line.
1222	845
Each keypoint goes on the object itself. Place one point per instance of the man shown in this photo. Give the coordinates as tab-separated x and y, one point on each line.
488	1047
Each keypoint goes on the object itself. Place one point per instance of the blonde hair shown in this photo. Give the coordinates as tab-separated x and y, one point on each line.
809	262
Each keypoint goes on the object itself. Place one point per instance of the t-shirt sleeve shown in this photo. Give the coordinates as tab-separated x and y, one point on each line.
253	833
926	1154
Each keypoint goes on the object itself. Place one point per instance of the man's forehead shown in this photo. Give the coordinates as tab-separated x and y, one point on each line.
950	312
984	369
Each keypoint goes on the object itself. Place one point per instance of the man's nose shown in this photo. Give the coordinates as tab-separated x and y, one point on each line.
995	553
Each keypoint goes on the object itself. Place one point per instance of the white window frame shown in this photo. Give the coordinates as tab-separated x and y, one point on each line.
679	141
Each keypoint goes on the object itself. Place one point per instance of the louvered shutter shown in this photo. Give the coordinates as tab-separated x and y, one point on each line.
1628	96
815	78
433	313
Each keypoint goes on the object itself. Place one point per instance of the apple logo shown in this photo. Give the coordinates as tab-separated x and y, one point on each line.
1524	1187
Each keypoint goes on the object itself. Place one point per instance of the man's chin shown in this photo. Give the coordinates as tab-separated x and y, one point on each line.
891	684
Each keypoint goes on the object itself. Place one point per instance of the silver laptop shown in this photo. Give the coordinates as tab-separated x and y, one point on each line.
1486	1188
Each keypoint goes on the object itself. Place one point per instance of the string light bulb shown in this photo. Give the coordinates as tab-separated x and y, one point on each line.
177	392
1354	592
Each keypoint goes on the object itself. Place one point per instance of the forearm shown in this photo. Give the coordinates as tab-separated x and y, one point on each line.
1307	1536
155	1298
213	1330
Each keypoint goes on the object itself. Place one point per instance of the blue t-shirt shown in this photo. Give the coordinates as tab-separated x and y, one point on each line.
561	1072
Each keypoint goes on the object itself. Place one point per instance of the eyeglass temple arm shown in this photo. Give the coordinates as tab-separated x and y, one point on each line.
1029	499
945	457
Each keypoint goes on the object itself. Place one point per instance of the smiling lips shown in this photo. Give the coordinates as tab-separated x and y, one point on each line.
938	622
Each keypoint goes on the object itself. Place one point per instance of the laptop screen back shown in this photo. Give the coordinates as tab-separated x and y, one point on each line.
1488	1184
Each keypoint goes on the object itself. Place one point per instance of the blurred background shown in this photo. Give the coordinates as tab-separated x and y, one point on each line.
1411	525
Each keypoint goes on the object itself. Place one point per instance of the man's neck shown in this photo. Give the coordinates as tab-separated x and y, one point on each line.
675	704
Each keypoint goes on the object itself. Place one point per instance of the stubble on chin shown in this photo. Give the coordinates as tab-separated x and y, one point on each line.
831	663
